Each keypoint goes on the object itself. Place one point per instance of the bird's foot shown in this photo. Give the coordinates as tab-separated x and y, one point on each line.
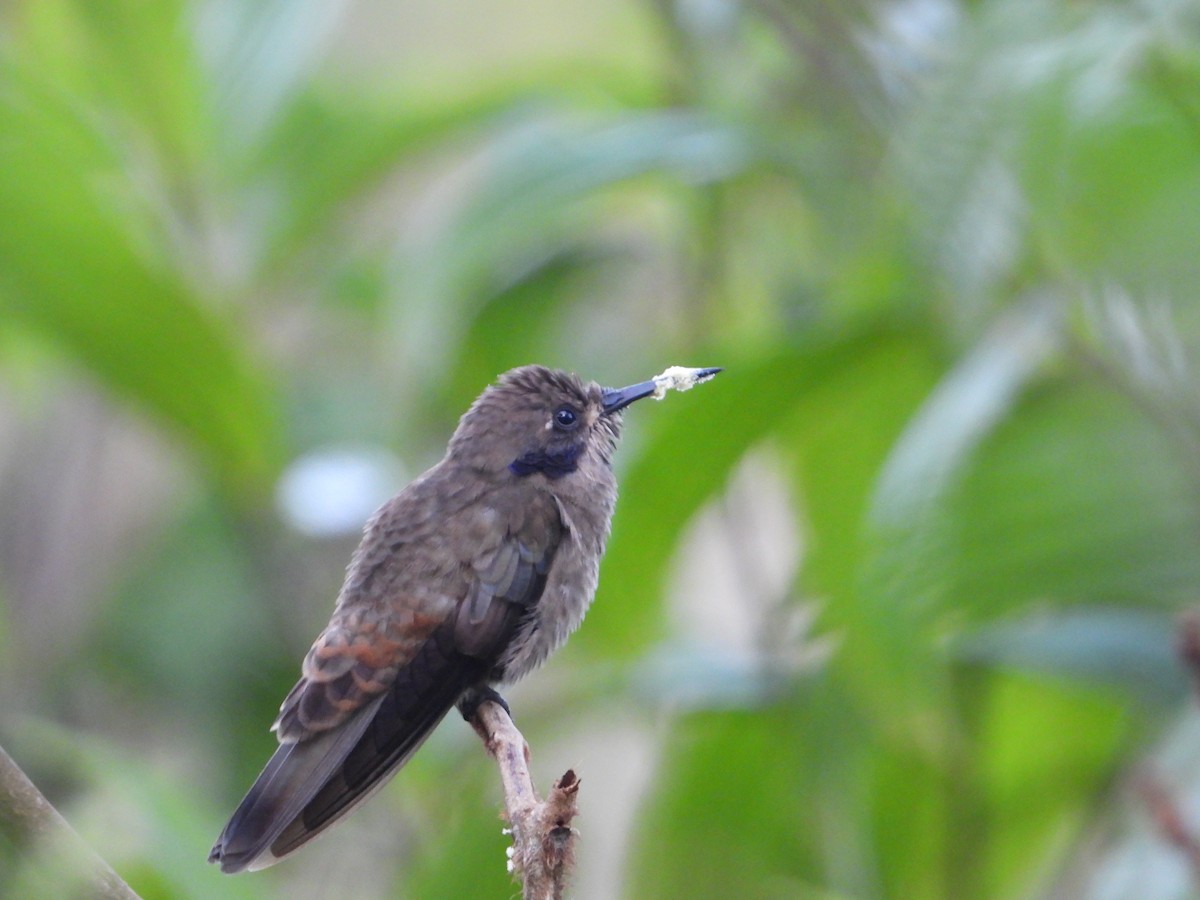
469	703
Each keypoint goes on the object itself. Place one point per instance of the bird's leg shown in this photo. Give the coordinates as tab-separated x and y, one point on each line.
469	702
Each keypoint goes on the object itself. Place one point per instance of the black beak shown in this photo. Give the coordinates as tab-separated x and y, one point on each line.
619	398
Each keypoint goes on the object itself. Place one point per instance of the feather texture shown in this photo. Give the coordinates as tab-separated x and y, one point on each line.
382	675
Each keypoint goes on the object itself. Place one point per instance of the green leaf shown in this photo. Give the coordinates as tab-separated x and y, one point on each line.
259	56
516	324
331	150
1042	753
810	799
835	405
733	812
1077	496
132	64
540	176
76	268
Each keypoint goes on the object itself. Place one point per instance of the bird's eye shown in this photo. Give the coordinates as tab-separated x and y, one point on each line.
565	418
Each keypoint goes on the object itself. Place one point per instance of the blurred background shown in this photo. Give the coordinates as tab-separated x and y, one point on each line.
891	609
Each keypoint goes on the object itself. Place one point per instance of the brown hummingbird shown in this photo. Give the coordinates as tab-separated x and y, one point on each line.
471	576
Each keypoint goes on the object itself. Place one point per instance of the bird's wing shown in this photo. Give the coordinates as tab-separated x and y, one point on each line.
360	712
356	659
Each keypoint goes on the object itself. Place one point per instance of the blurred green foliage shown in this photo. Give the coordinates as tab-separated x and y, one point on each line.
946	252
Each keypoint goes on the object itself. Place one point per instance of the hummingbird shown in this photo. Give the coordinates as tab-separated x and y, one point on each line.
468	578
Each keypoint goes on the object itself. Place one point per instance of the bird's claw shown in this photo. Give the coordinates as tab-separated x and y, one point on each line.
469	703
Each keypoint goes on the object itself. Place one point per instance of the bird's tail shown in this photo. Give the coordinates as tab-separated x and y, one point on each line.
308	785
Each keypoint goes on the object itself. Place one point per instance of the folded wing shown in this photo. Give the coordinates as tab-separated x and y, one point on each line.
376	683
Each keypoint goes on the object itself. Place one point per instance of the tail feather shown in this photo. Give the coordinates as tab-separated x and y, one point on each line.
309	785
288	781
409	713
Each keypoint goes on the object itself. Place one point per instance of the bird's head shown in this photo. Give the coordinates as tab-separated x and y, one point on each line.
538	420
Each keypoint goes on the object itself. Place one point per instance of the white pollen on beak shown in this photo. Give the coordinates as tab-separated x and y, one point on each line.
679	378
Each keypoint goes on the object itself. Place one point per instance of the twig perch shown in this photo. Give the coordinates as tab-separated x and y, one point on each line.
1169	820
29	821
542	854
1187	645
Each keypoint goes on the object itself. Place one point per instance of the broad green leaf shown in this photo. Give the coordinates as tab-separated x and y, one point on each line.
79	270
465	855
133	65
539	178
808	798
1052	133
522	313
259	56
330	150
1041	758
834	406
978	392
1077	496
1108	159
735	812
1073	498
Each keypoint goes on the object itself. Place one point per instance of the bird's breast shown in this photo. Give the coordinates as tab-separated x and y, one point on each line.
585	508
